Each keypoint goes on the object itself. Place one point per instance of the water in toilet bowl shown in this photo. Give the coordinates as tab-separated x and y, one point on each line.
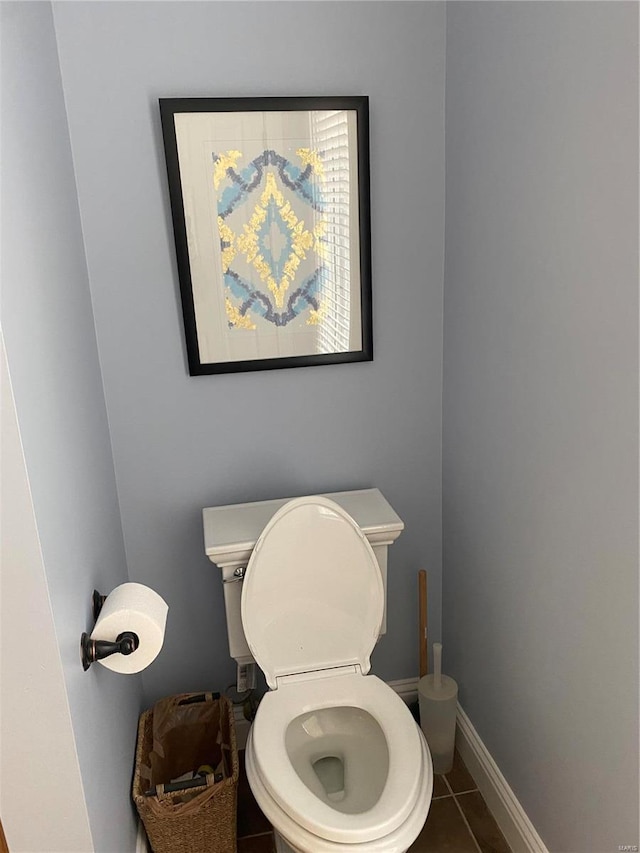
341	755
330	772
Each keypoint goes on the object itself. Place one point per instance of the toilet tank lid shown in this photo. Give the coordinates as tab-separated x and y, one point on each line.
231	531
312	597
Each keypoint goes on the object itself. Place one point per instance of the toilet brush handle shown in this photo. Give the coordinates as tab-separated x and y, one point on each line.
437	665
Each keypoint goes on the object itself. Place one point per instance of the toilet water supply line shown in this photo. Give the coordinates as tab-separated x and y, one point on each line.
248	700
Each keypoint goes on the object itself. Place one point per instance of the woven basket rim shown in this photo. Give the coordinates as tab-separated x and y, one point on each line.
146	718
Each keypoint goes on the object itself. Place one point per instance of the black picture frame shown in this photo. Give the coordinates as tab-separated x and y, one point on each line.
209	286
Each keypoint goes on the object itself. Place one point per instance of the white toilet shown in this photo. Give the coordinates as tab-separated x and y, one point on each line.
334	758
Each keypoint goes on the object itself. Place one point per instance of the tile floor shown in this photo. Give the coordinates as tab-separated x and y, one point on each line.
458	822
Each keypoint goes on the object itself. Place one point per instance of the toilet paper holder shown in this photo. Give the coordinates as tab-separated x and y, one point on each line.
93	650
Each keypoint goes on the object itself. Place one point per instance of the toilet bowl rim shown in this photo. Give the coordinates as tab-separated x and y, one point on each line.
277	774
397	841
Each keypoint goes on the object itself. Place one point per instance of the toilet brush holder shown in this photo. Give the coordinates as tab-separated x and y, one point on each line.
438	700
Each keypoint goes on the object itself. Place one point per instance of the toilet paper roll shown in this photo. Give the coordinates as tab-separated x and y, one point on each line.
132	607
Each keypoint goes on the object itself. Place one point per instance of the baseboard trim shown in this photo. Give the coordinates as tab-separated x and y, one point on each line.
503	804
141	839
406	688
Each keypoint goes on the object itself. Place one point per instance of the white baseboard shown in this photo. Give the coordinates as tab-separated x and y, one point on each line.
500	799
503	804
141	839
406	688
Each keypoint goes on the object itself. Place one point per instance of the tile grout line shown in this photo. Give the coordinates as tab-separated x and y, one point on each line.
464	818
462	814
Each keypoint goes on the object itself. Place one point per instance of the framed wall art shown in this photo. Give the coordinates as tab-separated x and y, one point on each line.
271	216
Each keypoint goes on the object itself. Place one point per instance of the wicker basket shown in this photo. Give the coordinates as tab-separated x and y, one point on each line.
200	819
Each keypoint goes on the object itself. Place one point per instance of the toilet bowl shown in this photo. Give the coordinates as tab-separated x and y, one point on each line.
334	757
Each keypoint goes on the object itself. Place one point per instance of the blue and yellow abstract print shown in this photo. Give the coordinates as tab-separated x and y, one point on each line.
271	230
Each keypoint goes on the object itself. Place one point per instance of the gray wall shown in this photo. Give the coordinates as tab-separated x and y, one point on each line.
540	500
51	350
35	723
541	346
183	443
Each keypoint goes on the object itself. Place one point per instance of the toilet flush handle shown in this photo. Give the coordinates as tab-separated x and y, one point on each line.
238	575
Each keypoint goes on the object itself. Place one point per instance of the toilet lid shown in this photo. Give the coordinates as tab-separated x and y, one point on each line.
312	596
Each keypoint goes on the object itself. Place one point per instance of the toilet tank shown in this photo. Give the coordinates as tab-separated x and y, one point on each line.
231	532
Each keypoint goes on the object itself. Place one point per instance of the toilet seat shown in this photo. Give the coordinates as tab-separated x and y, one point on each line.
312	608
312	595
406	769
300	838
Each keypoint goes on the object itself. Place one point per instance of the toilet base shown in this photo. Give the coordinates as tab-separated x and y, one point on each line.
281	845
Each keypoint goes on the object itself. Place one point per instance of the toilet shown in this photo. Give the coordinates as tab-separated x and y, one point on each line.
334	757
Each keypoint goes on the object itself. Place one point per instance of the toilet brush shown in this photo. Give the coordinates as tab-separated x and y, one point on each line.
438	699
437	666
